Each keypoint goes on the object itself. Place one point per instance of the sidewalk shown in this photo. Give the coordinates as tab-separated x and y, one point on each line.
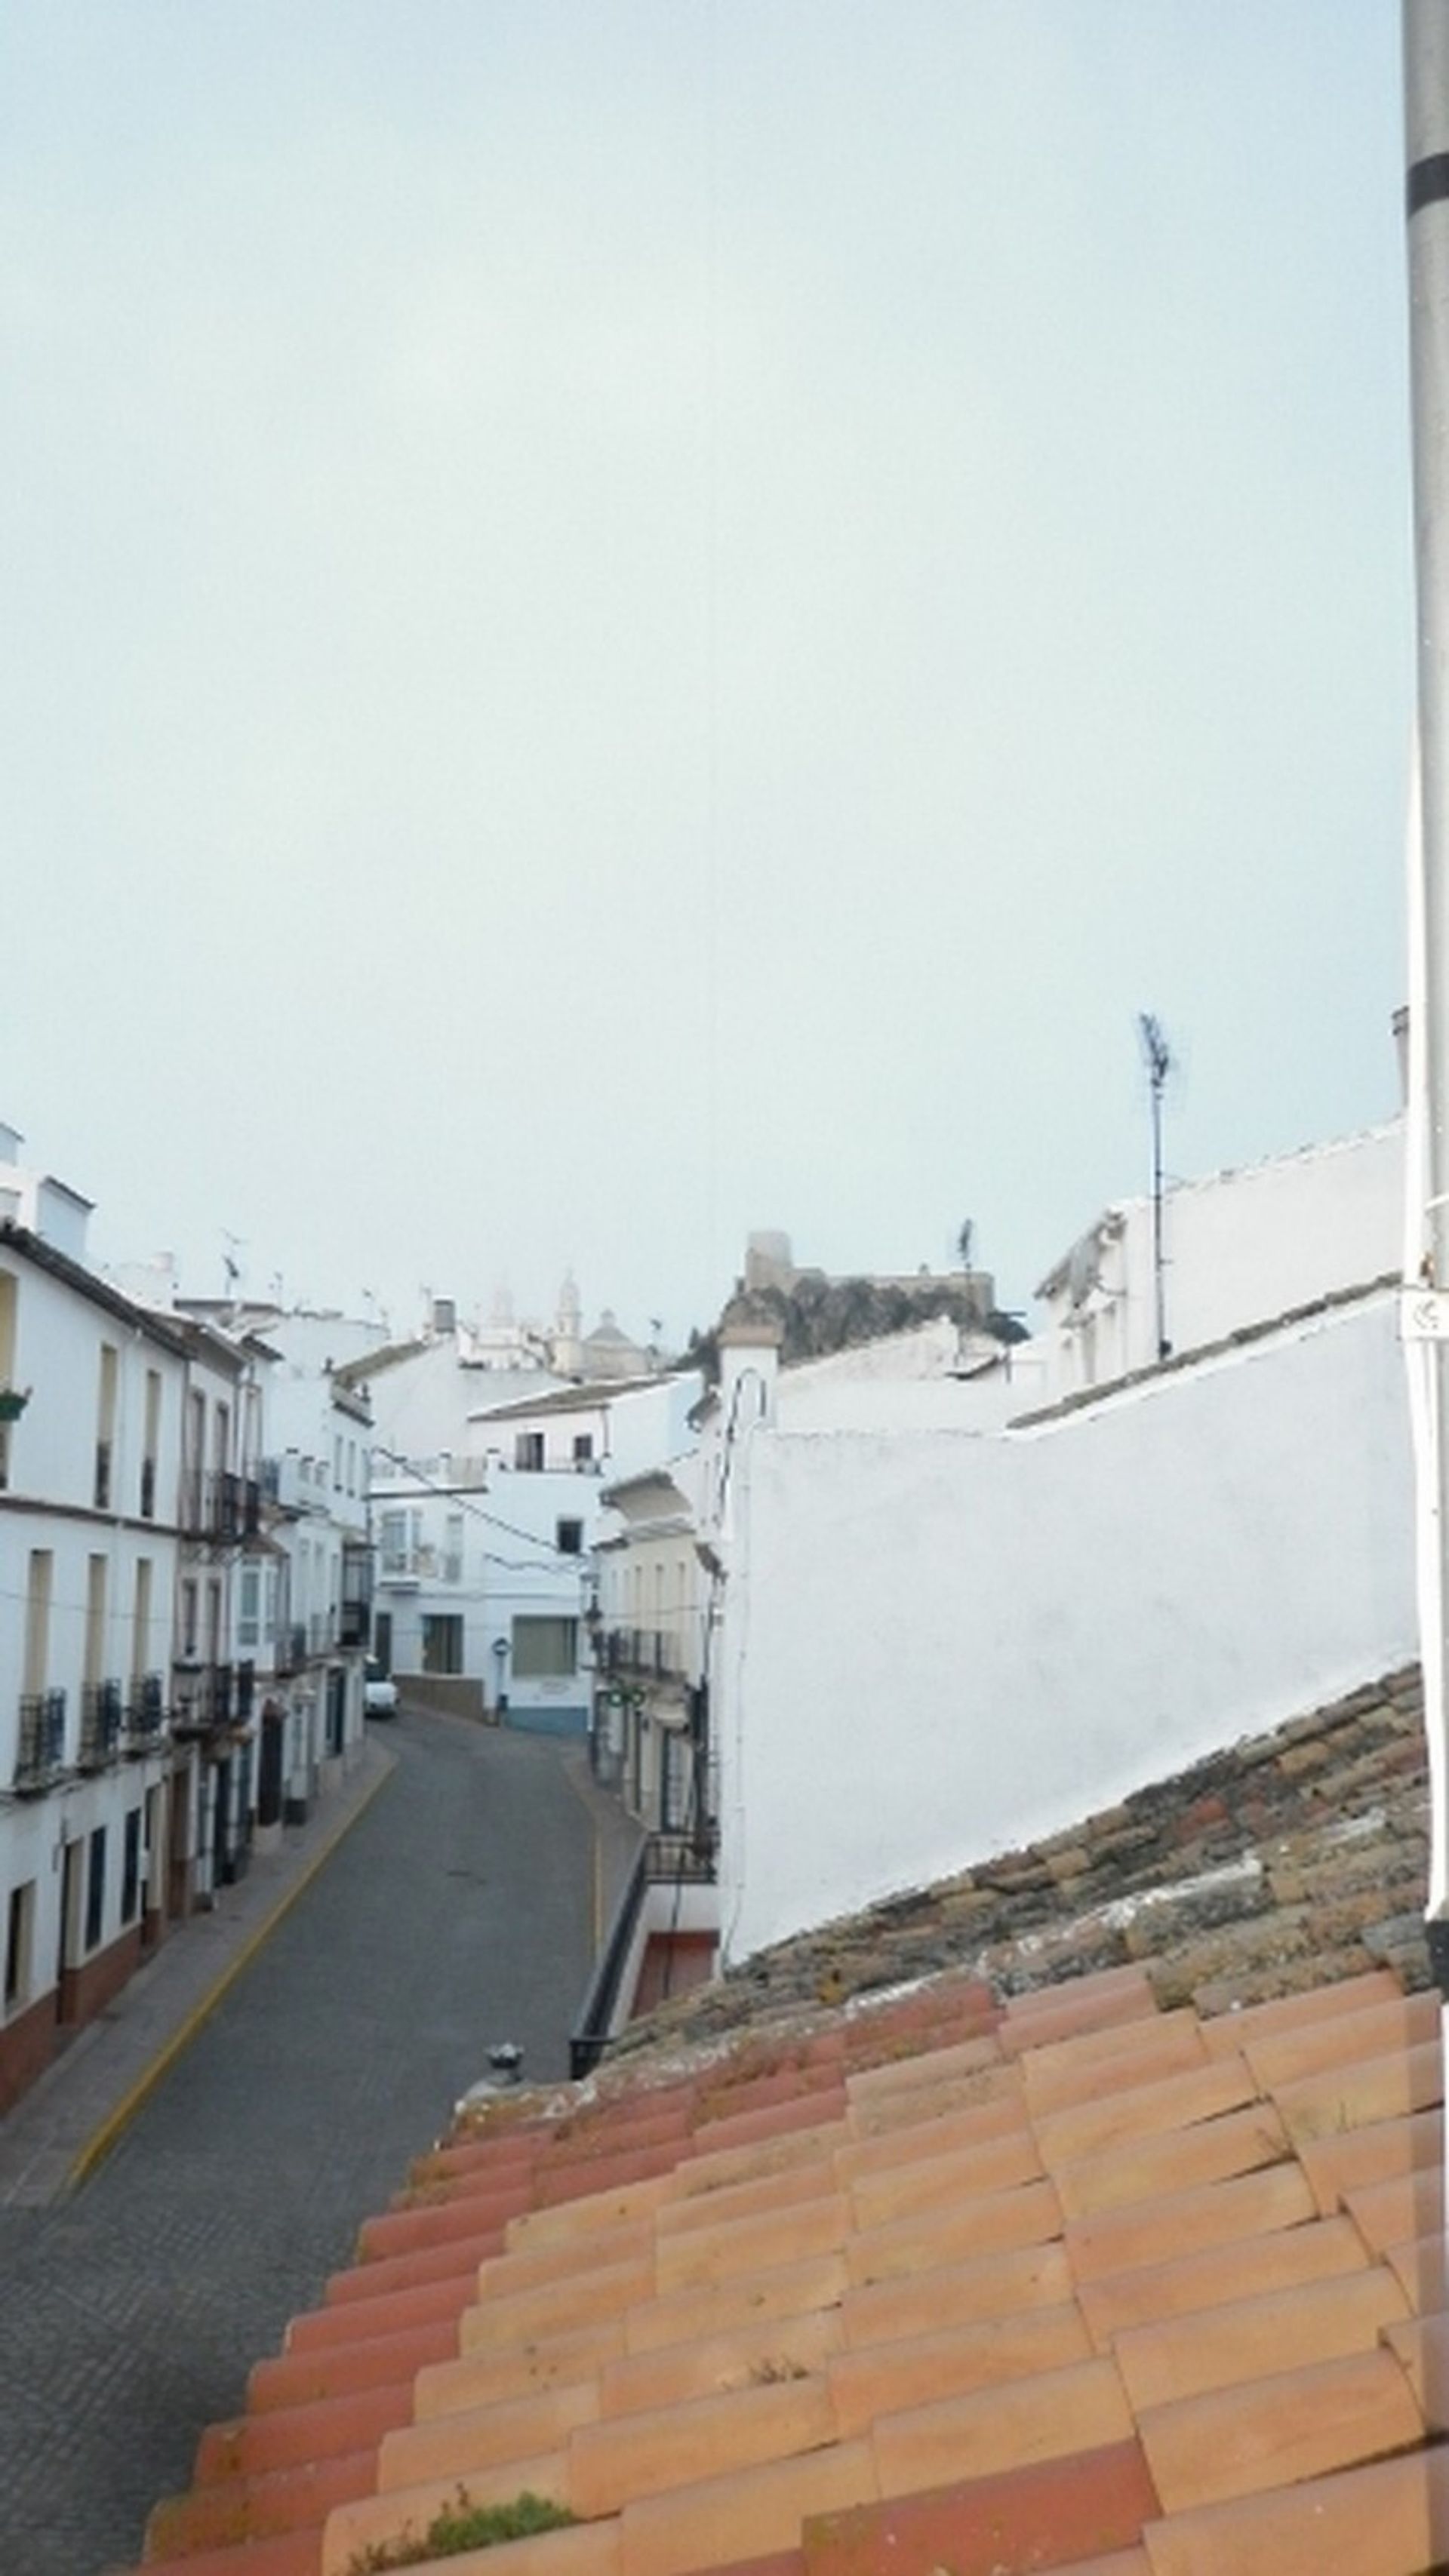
59	2131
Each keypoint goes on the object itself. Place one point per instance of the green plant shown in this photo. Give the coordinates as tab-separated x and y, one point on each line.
464	2525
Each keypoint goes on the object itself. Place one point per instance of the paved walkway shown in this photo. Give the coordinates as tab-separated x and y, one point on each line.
63	2127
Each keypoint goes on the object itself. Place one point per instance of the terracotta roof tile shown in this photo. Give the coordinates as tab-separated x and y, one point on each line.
1172	2160
1341	2164
1255	2338
775	2348
1112	2061
517	2428
906	2371
517	2369
1058	2278
750	2511
354	2527
1390	2518
1408	2201
676	2446
992	2285
1193	2284
289	2437
1120	2105
1421	2346
934	2182
1321	2004
789	2290
702	2257
1019	2421
1272	2432
976	2223
1039	2517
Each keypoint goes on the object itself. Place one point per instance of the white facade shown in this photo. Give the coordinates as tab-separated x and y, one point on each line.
89	1478
937	1645
1237	1249
654	1600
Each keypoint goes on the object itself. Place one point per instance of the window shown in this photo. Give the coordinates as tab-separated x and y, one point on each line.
453	1548
442	1642
19	1944
583	1447
141	1619
545	1649
131	1867
393	1542
568	1538
37	1619
249	1608
152	1444
106	1425
528	1450
95	1887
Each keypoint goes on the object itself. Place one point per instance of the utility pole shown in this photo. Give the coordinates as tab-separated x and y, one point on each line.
1158	1057
1426	1300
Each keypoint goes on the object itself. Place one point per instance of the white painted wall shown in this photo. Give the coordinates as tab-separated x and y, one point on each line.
1239	1248
938	1645
49	1506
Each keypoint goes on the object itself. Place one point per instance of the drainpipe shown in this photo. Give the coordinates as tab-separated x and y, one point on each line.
1426	1296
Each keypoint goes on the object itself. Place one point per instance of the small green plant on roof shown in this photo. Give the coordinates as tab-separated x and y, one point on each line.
461	2526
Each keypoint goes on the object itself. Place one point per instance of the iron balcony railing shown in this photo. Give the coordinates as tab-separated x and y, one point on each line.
40	1757
205	1699
102	1711
651	1651
662	1860
220	1507
146	1714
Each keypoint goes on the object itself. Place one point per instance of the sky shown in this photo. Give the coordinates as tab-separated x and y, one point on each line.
628	620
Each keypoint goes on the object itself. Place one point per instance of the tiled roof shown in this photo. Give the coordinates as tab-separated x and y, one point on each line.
1066	2266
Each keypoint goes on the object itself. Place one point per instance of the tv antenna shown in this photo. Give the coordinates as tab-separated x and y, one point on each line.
1157	1055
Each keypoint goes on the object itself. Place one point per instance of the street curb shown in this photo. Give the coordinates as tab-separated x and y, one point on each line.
99	2146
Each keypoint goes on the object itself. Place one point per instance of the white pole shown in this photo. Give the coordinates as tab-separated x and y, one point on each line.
1426	1301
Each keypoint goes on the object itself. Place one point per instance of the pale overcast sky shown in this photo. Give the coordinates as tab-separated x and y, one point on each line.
628	619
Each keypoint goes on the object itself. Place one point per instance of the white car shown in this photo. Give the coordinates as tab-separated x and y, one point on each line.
379	1691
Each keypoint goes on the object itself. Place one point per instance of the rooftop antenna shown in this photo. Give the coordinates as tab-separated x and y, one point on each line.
1157	1055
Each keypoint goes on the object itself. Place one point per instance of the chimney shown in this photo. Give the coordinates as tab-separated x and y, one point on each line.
749	1365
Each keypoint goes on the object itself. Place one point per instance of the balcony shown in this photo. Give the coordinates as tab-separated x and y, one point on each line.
291	1648
40	1759
206	1700
220	1509
100	1736
145	1714
649	1652
355	1616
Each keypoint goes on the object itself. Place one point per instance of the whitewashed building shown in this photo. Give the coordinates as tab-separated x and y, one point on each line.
303	1589
92	1390
939	1638
1236	1248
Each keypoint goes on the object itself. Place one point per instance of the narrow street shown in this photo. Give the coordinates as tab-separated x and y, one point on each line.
458	1912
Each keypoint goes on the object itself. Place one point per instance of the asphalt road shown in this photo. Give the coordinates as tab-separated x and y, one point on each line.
459	1911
